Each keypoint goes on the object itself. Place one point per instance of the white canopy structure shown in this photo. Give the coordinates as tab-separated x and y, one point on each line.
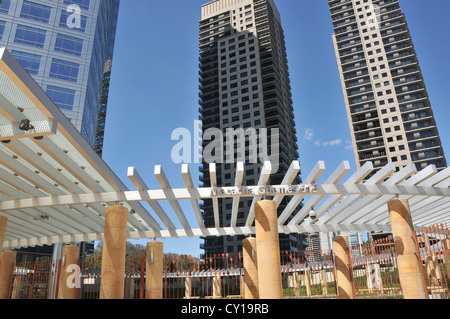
54	187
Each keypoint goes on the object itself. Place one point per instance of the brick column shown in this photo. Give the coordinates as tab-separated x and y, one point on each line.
409	265
250	268
114	250
343	269
268	248
154	272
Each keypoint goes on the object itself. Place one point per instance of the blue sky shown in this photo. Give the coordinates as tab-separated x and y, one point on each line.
154	87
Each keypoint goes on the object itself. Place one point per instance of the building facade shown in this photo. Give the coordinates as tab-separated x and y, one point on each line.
244	84
67	46
388	107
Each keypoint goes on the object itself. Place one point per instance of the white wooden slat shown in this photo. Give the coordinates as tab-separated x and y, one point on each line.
334	178
194	202
215	201
356	178
238	183
377	178
139	183
292	172
165	185
263	178
312	178
398	177
379	205
435	179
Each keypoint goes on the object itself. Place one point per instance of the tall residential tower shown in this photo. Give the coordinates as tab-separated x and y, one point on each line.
388	106
67	46
244	83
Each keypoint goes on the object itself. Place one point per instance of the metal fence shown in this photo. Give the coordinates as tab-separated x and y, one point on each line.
312	275
375	270
308	276
433	244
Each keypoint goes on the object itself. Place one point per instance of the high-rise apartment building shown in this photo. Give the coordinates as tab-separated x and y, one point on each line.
388	106
67	46
244	83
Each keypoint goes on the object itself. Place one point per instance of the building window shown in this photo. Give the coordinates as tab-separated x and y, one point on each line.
64	70
64	18
69	45
63	98
30	36
30	62
35	11
4	6
2	28
84	4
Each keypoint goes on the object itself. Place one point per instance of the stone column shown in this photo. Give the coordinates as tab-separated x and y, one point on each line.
7	261
114	250
250	268
409	265
67	279
154	270
343	270
268	248
3	222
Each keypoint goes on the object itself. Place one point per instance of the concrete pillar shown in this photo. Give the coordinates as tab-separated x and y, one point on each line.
7	261
217	287
67	279
268	248
3	222
250	268
409	265
114	250
154	270
188	288
343	270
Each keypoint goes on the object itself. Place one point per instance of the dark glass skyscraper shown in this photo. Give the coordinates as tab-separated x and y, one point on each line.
244	84
67	46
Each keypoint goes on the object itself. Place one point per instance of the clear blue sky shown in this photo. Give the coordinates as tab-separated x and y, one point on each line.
154	87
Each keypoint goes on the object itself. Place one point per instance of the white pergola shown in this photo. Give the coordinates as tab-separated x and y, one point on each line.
54	188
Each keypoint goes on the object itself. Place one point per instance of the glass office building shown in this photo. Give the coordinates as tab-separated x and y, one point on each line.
67	46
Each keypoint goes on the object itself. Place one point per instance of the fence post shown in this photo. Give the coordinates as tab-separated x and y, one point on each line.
69	258
409	264
154	270
344	276
268	249
250	268
7	259
112	284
